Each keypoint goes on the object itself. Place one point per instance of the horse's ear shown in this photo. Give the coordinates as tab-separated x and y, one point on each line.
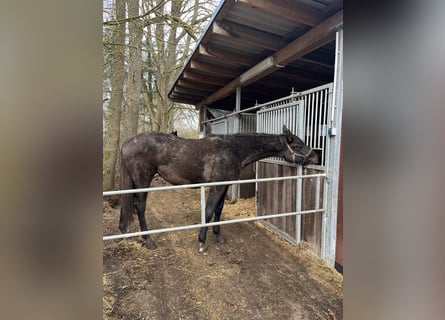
287	132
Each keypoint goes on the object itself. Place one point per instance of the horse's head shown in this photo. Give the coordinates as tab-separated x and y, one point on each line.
296	150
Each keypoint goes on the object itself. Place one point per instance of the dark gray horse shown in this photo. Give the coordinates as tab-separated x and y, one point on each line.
186	161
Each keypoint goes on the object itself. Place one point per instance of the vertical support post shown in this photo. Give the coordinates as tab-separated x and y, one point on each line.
329	221
203	205
317	193
236	128
202	118
299	198
298	205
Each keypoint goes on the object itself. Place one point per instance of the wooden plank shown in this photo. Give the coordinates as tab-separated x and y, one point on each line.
183	99
311	224
186	83
289	10
213	69
279	196
290	201
247	36
191	75
279	205
272	192
224	55
261	194
220	15
193	92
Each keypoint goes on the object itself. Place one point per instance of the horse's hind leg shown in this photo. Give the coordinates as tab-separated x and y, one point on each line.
218	210
213	202
140	202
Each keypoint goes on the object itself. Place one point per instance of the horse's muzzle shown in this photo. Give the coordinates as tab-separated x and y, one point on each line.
311	158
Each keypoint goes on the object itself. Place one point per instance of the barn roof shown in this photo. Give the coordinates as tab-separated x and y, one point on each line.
266	47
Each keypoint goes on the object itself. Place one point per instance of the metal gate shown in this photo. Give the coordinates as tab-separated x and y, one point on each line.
306	115
244	124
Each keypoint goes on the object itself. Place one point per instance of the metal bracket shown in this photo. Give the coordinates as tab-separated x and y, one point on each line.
332	131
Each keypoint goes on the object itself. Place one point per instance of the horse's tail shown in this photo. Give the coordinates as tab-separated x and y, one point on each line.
127	200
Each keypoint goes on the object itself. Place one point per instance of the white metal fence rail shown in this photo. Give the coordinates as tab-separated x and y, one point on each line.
202	186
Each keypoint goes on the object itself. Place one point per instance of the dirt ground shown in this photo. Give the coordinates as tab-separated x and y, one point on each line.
254	275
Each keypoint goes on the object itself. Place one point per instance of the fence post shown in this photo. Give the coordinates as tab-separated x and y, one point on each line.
301	134
234	194
203	205
329	221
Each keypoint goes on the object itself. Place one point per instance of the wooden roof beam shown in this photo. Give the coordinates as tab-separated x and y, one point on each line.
289	10
228	56
184	98
213	69
248	36
190	84
195	76
192	92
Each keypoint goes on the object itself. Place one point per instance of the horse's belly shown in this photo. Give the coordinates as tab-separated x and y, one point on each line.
196	173
178	177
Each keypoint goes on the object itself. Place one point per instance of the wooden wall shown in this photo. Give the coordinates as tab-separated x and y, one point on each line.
280	197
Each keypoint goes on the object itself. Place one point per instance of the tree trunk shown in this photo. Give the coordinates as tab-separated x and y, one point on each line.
167	43
111	143
135	27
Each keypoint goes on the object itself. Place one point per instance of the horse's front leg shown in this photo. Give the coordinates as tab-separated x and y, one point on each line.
213	201
218	211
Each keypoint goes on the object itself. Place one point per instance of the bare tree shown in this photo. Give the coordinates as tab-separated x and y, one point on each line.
145	49
168	45
117	75
132	104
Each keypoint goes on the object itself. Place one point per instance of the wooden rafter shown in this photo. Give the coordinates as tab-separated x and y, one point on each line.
194	92
213	69
185	83
248	36
220	54
205	78
289	10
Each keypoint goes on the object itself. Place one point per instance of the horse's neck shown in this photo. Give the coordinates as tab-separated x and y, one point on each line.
258	147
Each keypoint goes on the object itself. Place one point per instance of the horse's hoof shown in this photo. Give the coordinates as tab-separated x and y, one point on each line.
150	245
220	239
202	247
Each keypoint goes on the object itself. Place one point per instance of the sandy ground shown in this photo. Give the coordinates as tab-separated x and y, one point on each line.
254	275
